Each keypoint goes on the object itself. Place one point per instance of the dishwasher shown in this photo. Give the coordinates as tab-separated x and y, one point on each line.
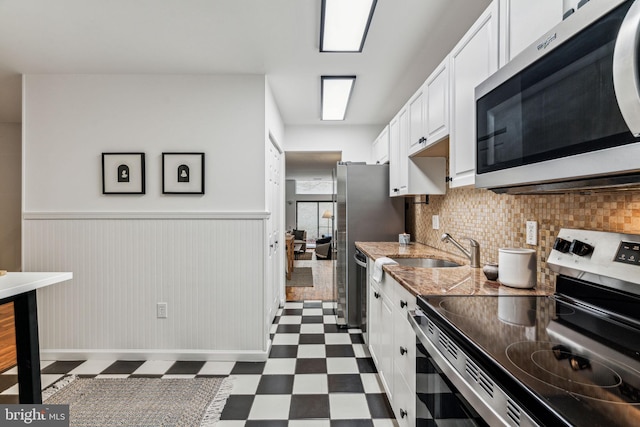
361	282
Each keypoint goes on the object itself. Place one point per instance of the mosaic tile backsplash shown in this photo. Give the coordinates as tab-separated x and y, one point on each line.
498	220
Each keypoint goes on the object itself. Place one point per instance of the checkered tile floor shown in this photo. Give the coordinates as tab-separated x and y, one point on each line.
317	375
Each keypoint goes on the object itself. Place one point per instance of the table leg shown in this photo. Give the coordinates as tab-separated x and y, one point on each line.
27	348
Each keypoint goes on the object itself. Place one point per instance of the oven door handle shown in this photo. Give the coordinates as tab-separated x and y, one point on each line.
360	263
625	69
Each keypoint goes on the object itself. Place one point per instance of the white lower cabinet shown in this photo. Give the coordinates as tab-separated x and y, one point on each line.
404	402
381	335
392	344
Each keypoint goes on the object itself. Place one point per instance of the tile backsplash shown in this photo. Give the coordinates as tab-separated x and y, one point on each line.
498	221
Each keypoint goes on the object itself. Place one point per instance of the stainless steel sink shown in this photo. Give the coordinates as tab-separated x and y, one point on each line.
425	262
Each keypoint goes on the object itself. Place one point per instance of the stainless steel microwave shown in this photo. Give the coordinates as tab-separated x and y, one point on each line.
565	113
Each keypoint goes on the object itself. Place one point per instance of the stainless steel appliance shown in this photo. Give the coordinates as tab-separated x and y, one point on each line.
364	212
565	113
572	358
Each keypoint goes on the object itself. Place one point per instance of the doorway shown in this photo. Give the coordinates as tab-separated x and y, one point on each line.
309	194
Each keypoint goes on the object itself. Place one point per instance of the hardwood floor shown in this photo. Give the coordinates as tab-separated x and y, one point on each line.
322	288
7	337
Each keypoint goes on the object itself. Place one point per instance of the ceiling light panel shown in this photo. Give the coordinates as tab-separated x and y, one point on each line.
336	91
345	24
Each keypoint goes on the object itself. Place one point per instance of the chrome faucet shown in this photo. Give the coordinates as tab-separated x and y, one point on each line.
473	254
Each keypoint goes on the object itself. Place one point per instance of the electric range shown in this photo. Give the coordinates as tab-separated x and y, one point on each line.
572	358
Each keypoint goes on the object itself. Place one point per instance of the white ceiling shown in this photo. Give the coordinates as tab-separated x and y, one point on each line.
279	38
311	165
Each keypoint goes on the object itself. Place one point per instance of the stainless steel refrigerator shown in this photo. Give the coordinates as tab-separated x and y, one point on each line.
364	212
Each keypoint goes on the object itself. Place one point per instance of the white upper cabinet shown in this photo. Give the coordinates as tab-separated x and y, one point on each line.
394	154
472	60
523	22
403	146
407	175
437	111
429	110
380	147
417	106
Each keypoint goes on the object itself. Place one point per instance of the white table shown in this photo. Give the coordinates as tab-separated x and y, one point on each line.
20	288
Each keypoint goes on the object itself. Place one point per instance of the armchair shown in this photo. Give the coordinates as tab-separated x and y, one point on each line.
323	248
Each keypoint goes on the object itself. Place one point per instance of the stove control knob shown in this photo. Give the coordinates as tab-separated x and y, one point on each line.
580	248
562	245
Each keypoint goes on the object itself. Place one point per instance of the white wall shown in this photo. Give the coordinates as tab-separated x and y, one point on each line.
354	141
71	119
202	255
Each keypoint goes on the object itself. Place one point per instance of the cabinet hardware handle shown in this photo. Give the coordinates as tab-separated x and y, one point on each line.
403	304
403	413
377	295
403	351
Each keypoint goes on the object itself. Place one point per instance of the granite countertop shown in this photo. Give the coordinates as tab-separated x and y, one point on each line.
462	280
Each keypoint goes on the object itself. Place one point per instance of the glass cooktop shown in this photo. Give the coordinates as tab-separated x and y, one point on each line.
581	363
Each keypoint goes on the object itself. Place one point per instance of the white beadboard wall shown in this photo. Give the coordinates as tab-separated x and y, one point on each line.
210	272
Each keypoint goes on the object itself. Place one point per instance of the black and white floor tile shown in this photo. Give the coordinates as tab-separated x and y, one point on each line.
317	375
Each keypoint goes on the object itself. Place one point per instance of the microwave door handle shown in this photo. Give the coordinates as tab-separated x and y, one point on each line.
625	69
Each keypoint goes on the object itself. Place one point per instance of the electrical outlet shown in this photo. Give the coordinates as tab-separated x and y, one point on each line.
532	232
435	221
161	310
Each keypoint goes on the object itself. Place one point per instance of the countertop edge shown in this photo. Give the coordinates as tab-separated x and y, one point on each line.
408	277
17	283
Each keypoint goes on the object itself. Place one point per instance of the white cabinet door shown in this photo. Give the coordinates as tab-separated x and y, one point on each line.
392	344
472	60
373	311
381	337
417	175
394	156
523	22
404	402
403	171
385	353
437	105
381	147
417	113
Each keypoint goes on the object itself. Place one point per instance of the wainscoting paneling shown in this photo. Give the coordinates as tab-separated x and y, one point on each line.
208	271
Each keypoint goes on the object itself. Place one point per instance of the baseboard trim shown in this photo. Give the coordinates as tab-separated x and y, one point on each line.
141	354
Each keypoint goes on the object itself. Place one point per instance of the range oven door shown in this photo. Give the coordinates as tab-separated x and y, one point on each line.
567	108
451	386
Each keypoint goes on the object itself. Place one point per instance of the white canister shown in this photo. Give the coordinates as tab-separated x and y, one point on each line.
517	267
404	239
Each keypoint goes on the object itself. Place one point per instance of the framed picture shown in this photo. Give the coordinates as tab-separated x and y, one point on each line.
182	173
123	173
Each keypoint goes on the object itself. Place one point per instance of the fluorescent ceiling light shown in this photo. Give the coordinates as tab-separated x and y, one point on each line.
336	91
345	24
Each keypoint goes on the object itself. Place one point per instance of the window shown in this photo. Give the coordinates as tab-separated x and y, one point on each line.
309	218
314	187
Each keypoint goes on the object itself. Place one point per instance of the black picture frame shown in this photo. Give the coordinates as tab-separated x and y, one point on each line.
123	173
183	173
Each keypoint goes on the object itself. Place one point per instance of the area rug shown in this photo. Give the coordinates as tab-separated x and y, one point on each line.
304	256
138	402
301	276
